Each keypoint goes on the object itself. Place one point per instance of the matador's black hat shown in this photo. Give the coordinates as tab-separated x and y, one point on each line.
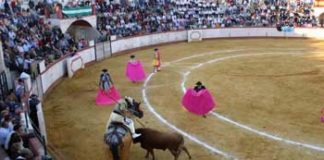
198	83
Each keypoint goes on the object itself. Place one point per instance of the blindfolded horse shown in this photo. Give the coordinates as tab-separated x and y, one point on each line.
118	136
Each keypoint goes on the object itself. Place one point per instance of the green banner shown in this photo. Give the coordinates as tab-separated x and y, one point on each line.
77	11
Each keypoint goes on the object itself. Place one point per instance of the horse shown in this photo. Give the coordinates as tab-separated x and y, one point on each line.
118	137
151	139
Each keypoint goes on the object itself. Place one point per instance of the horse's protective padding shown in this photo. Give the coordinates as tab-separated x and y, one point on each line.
115	133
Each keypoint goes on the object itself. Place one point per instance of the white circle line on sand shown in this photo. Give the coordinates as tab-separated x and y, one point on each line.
225	51
223	118
163	120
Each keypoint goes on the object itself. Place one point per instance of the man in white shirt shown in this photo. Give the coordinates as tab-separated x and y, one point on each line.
17	129
4	132
27	63
12	34
20	48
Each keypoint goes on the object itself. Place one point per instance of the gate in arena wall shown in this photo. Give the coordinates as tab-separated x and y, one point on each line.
3	85
103	50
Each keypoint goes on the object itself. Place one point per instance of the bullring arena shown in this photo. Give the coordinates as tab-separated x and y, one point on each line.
262	63
268	91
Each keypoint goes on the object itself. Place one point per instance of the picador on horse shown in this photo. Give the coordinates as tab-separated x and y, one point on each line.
120	124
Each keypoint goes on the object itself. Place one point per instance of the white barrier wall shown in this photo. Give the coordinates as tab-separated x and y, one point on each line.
58	70
241	32
74	64
88	55
262	32
317	33
79	60
153	39
52	74
147	40
194	35
41	121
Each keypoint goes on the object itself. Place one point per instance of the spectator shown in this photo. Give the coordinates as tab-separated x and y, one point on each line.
163	16
4	132
12	102
20	89
10	138
33	102
7	119
17	149
3	106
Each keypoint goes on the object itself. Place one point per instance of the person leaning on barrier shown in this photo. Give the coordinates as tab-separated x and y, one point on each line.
16	147
33	102
4	132
17	136
20	89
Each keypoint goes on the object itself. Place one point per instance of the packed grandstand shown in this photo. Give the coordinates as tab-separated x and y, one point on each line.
28	37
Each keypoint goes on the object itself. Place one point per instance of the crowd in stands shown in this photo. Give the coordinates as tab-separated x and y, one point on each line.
160	16
13	136
26	37
78	3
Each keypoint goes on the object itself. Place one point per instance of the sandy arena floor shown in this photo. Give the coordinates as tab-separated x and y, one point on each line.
273	86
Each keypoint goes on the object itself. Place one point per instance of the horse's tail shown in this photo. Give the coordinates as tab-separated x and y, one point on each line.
114	150
114	138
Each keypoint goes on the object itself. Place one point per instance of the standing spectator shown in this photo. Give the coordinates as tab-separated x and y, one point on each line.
7	119
31	4
12	102
33	102
10	138
27	63
7	7
16	147
58	11
20	89
4	132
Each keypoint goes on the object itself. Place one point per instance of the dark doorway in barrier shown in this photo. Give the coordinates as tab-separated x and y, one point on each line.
3	85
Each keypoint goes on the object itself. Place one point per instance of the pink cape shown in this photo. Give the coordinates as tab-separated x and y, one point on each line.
104	98
198	103
135	72
322	118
